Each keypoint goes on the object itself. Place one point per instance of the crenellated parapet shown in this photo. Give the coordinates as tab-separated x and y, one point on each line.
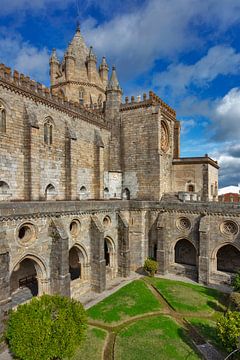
20	83
145	101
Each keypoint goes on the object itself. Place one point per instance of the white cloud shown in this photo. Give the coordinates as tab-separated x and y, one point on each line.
229	170
227	116
160	29
25	58
220	60
187	125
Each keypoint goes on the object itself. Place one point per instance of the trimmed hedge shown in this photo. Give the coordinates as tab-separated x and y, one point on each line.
49	327
150	266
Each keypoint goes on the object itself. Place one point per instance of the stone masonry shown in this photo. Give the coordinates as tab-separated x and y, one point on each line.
90	187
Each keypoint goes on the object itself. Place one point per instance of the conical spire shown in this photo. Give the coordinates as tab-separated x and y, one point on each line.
113	83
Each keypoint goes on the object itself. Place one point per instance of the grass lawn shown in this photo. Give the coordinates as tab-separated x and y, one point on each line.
158	338
186	297
93	346
131	300
207	328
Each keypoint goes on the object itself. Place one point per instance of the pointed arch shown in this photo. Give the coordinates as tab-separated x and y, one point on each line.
126	194
50	192
228	258
185	253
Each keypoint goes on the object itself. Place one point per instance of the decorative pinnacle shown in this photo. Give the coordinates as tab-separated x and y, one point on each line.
113	83
91	55
54	56
104	65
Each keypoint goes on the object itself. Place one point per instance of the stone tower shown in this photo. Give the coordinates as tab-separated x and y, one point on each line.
77	77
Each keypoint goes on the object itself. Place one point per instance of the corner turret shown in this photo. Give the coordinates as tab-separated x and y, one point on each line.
91	65
54	67
103	71
69	63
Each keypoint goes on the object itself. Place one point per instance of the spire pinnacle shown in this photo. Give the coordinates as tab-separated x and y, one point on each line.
53	57
113	83
91	55
78	26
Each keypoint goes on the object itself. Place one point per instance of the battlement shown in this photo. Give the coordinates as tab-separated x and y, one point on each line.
32	88
146	101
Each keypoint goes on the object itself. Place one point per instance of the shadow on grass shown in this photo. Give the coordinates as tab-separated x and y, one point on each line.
186	335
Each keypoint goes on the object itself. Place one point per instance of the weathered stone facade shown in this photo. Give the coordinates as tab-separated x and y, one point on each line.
66	148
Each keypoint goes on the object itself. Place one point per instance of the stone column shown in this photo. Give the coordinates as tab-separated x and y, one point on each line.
204	261
99	166
59	259
31	157
161	244
98	263
5	296
123	247
70	177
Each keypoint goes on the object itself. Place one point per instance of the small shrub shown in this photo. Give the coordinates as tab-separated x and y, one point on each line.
236	282
49	327
150	266
228	329
234	301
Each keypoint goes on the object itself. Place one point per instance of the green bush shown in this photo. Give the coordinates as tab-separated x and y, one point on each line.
234	301
150	266
228	329
236	282
49	327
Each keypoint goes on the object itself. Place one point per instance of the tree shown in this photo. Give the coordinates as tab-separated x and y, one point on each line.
150	266
228	329
49	327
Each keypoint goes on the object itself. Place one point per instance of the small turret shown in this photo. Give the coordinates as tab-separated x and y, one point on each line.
103	71
70	63
91	65
113	96
54	66
112	114
113	84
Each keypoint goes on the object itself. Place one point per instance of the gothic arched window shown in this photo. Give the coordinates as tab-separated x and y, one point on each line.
2	119
48	132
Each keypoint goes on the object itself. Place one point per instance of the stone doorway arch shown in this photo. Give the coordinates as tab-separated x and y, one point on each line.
28	279
228	259
185	253
79	270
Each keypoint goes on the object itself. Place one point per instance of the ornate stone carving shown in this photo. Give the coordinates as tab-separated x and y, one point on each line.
229	227
164	136
183	223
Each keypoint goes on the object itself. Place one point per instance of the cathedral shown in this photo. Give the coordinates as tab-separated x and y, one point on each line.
91	186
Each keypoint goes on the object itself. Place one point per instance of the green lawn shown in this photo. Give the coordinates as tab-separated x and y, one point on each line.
131	300
158	338
92	348
186	297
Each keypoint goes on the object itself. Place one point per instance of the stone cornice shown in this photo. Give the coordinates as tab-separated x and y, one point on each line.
196	160
39	209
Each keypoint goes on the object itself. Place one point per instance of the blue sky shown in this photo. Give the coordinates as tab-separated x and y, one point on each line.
187	51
